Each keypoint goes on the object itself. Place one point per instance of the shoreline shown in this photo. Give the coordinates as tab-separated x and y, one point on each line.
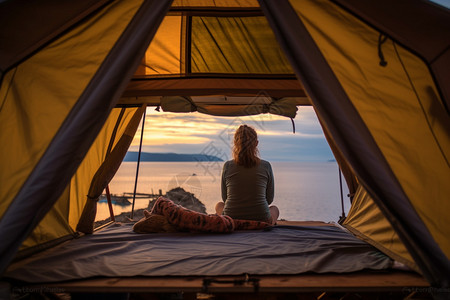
178	195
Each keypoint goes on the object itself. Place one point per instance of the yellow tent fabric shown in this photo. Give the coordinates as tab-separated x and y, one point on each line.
53	226
164	53
399	105
366	221
106	168
235	45
32	114
218	45
62	219
82	179
39	93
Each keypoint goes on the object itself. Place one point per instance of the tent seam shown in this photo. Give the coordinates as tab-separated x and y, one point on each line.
9	86
419	100
75	21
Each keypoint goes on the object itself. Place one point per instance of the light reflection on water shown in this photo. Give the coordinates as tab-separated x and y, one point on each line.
303	190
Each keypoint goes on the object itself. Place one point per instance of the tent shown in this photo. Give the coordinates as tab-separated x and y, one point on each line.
76	77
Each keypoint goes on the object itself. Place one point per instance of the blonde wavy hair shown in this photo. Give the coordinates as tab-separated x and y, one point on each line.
245	151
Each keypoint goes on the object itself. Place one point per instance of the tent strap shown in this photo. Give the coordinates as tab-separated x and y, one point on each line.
381	39
111	143
342	217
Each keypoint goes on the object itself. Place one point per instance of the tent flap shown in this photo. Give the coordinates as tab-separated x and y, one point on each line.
328	68
106	172
93	102
177	104
366	221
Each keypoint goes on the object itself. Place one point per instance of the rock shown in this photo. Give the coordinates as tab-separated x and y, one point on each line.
188	200
177	195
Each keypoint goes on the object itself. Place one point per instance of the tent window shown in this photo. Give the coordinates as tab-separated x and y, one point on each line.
163	55
235	45
187	45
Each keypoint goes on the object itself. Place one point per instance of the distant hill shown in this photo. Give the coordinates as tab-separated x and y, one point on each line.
168	157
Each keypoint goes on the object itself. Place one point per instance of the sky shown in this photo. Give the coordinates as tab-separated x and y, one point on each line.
445	3
200	133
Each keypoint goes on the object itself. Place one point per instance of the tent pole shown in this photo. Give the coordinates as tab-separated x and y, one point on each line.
108	198
342	217
137	166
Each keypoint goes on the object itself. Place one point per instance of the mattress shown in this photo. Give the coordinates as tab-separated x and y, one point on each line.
117	251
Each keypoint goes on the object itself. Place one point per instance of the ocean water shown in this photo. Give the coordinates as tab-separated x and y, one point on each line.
303	190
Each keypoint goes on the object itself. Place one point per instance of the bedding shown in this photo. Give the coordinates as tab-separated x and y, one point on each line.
117	251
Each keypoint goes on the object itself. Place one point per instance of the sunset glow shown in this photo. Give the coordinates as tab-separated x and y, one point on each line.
193	132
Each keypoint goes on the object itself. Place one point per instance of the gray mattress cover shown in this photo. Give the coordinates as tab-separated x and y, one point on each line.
118	251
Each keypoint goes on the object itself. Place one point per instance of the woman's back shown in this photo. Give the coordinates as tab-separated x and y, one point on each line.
247	192
247	181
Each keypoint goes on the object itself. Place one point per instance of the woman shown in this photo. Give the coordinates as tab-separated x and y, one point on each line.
247	181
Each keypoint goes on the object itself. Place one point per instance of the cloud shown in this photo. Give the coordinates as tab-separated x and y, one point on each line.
197	133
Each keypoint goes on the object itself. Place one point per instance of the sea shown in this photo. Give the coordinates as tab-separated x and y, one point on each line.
304	191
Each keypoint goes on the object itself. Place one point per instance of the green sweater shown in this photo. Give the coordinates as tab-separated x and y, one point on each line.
247	192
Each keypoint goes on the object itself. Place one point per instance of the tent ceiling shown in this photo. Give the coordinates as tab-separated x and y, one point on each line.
215	56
